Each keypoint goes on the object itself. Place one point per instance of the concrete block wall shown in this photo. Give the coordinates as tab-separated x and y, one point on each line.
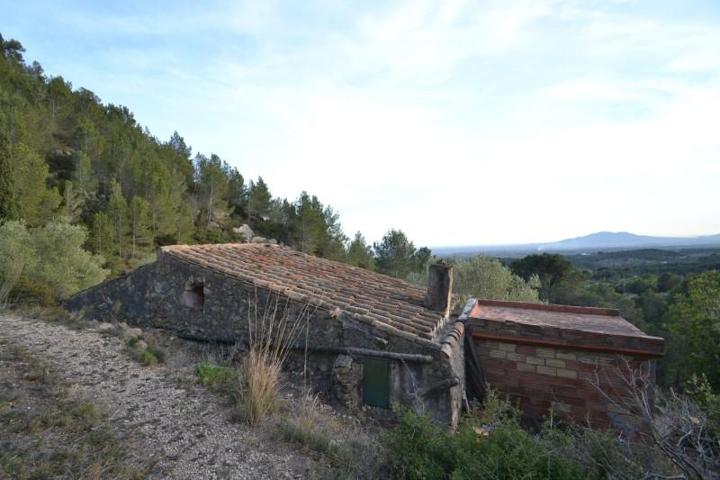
575	384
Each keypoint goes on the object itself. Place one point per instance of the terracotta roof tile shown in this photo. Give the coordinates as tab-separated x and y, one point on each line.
564	324
366	296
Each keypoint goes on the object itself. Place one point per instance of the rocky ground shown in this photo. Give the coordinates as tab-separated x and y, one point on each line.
169	426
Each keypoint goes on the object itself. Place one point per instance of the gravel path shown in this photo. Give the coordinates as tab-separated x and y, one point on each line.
181	430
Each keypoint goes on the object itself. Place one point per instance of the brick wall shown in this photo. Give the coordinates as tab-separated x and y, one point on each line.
538	378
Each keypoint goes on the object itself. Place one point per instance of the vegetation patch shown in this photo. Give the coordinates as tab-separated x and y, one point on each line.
345	453
46	433
492	444
419	449
213	376
149	356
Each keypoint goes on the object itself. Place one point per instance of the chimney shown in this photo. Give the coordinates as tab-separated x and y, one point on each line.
439	288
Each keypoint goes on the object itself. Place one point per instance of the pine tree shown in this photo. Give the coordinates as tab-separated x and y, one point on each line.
396	255
101	235
118	214
212	186
140	224
9	208
359	253
259	198
37	203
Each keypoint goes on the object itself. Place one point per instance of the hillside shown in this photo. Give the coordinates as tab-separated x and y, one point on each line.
65	154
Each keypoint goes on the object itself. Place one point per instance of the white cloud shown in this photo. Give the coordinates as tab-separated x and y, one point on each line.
460	122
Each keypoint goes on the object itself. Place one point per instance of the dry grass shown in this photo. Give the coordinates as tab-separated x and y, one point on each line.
259	395
274	327
344	450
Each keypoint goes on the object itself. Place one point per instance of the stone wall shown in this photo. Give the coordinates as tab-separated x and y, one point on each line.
540	378
198	303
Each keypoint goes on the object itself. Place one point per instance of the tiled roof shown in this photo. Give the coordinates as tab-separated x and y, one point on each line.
597	328
366	296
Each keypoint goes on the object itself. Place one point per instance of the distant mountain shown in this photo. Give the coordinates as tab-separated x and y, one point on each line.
589	243
613	240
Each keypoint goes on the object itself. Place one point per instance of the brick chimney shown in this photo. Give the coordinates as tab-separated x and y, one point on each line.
439	288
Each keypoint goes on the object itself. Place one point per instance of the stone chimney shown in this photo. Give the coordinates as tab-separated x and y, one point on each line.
439	288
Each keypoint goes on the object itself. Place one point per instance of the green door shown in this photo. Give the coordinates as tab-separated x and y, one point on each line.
376	382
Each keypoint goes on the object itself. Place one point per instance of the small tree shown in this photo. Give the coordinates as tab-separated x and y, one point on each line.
62	265
359	253
549	268
140	224
46	262
487	278
397	256
16	256
694	320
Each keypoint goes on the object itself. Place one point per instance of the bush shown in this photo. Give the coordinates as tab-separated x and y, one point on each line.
47	263
212	375
16	255
487	278
147	357
492	445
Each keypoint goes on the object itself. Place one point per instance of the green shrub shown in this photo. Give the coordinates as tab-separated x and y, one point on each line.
492	445
508	451
48	262
419	448
212	375
485	277
150	356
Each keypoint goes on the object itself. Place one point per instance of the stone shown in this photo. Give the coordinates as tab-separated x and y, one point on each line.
246	232
551	362
105	327
547	371
347	377
561	372
130	332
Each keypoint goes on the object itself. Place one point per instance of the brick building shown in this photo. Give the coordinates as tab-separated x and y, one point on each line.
579	361
380	341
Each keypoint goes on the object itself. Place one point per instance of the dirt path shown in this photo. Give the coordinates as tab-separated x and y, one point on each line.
179	429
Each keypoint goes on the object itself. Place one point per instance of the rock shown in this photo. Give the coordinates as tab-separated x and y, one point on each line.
132	333
105	327
347	376
259	240
141	345
245	231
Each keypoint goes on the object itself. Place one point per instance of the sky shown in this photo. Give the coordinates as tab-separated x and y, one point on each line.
459	122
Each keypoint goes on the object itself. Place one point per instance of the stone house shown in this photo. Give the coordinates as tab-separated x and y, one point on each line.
370	338
377	340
